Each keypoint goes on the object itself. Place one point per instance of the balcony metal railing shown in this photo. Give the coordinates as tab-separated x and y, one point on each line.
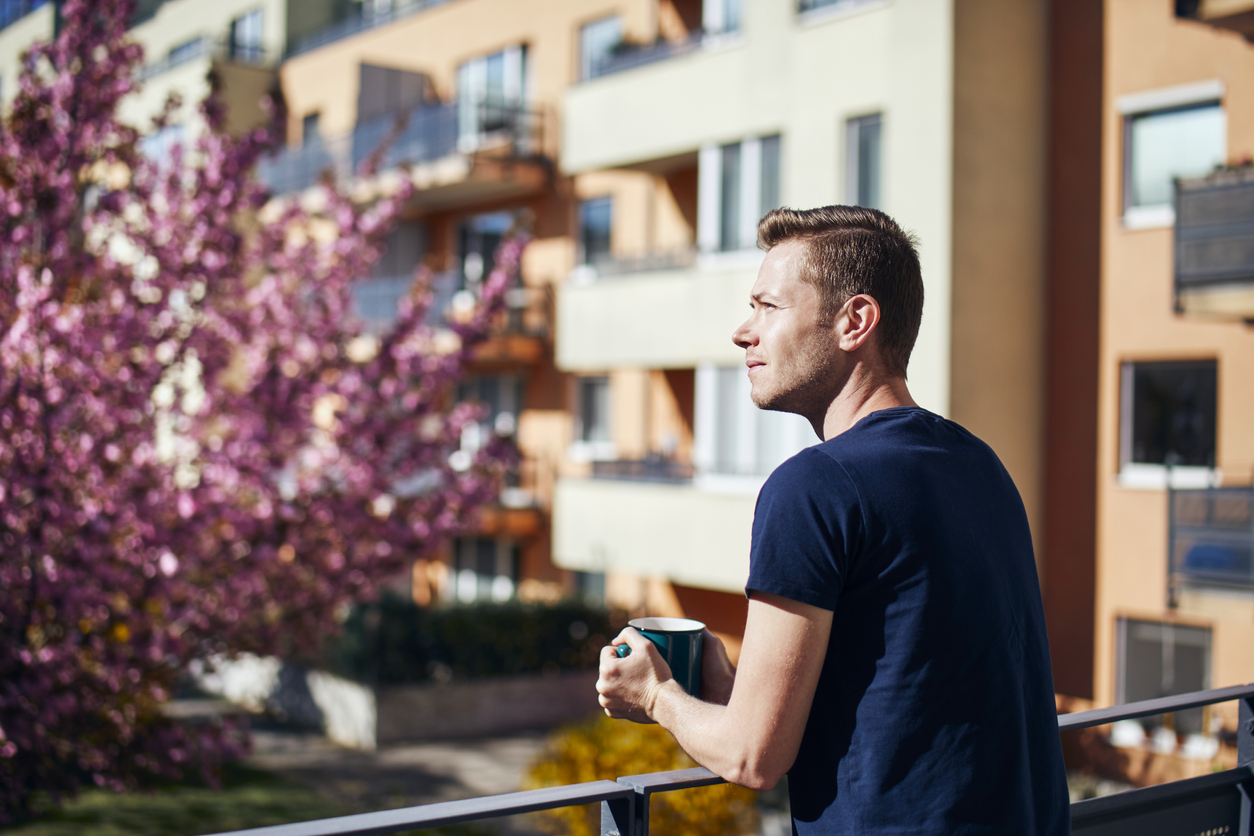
1214	230
350	26
1216	803
200	47
644	470
637	56
615	265
1211	538
431	133
528	310
11	11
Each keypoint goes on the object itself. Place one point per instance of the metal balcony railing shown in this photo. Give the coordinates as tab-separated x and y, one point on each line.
355	24
1211	538
1214	231
1217	803
630	57
200	47
528	310
431	132
644	470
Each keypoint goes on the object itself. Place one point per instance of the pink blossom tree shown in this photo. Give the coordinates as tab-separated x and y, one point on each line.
201	450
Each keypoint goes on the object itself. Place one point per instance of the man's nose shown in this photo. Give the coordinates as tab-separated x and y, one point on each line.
743	336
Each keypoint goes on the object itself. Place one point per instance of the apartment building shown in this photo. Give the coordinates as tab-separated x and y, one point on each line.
1174	439
479	85
678	137
184	41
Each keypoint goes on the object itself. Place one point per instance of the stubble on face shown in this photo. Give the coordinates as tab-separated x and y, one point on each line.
803	382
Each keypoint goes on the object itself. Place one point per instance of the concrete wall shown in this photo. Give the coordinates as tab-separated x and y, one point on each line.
1147	49
693	536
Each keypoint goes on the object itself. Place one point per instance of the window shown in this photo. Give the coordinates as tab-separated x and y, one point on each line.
1162	660
595	220
246	43
309	128
734	437
592	402
501	399
738	183
491	90
484	569
1167	414
720	17
477	240
862	161
377	298
1161	145
597	41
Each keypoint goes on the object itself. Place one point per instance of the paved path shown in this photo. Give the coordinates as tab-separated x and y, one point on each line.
401	775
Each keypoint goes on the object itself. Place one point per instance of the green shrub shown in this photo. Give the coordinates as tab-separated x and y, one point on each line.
395	642
606	749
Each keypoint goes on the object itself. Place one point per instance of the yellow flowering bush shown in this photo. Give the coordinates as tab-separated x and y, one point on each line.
607	749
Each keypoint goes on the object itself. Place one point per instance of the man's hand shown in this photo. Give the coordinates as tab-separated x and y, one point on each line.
718	674
629	686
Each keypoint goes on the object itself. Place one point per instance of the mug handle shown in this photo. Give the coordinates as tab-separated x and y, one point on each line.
622	651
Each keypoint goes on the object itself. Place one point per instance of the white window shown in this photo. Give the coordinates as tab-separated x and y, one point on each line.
738	183
720	17
1167	417
491	92
592	420
595	225
1177	132
597	41
246	37
484	569
734	438
1162	660
863	161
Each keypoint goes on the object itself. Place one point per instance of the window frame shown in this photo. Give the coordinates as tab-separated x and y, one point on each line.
1153	475
1134	106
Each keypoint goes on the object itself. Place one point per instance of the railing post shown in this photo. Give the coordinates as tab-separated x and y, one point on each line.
625	816
1245	757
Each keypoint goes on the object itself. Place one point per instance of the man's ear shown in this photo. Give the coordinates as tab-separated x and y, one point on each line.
855	321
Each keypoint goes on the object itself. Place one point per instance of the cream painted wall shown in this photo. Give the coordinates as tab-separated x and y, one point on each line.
1148	49
803	77
663	319
690	536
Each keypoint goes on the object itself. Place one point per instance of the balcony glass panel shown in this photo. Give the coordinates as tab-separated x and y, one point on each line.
1212	538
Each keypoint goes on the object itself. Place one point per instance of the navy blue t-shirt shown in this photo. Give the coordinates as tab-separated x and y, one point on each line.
934	713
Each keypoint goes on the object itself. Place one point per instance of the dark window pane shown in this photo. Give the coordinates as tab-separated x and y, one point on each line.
595	222
729	199
770	174
594	412
1162	660
863	169
1173	413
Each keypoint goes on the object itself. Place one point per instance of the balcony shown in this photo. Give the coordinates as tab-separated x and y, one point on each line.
1214	245
1233	15
679	315
518	339
458	153
1216	803
1211	537
638	55
355	24
202	47
694	536
657	470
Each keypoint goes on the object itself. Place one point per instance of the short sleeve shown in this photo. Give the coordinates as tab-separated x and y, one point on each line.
806	528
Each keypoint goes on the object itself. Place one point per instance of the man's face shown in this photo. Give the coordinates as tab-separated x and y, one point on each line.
792	354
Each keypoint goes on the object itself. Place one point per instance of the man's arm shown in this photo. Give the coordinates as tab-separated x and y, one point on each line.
754	738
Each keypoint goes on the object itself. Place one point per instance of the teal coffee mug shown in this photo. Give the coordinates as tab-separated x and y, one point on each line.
678	640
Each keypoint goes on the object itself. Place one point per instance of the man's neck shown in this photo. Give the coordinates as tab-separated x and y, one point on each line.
862	395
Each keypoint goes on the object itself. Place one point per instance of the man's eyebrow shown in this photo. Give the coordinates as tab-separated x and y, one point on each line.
763	296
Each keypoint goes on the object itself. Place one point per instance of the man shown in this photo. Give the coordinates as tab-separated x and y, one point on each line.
894	663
